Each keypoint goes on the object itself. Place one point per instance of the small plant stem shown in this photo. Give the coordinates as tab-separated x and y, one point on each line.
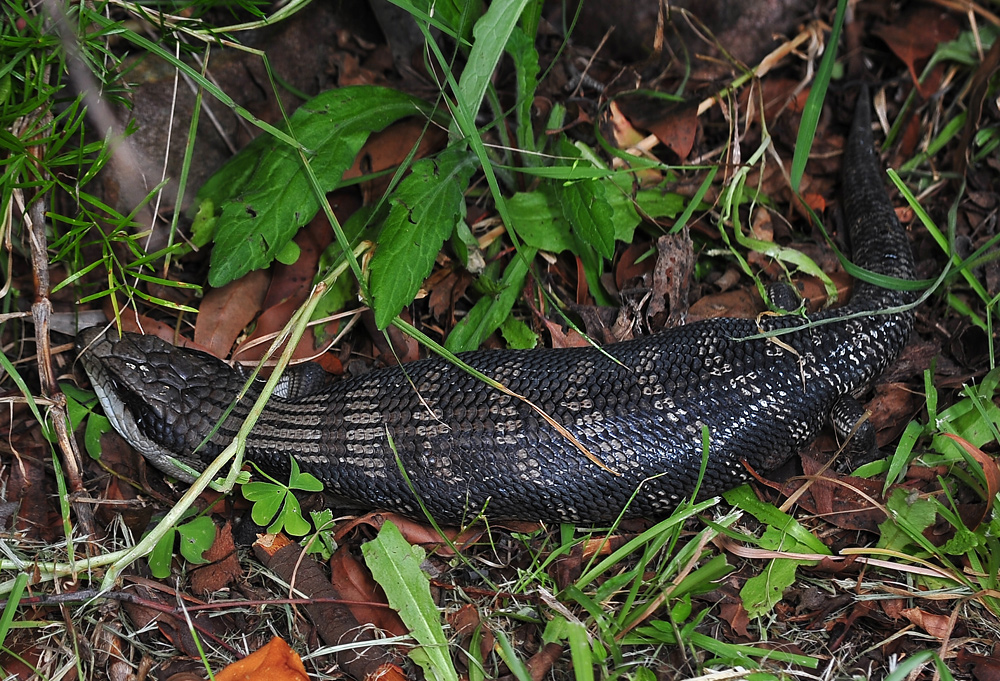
292	332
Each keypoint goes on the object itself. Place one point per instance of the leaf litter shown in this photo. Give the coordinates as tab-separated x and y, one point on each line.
499	590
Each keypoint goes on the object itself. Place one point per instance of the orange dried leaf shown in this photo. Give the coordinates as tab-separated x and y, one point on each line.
276	661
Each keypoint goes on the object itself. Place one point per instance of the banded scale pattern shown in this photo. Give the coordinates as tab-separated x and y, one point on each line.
467	448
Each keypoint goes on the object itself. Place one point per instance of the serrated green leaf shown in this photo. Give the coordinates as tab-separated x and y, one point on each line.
762	592
196	538
584	206
425	208
518	334
263	194
395	565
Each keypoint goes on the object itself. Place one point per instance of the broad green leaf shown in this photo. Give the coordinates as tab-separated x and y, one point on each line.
395	565
518	334
586	209
491	33
196	538
161	555
539	222
266	498
425	208
263	194
290	519
657	204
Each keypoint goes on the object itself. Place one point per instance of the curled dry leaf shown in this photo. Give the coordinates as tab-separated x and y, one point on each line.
276	661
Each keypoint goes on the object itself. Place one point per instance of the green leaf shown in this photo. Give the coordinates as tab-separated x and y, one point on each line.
395	565
290	519
657	204
197	537
288	253
537	219
762	592
263	194
521	48
491	33
266	498
162	554
908	517
489	312
303	481
323	542
425	208
518	334
586	209
97	425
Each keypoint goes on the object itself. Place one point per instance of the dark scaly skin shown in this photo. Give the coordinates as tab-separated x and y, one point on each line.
467	447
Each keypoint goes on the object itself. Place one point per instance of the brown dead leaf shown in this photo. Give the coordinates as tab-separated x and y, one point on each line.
570	338
444	288
676	128
735	615
389	148
226	311
939	626
135	323
893	607
915	36
464	622
276	661
155	605
779	94
843	501
671	279
815	201
361	594
415	532
289	288
628	273
223	567
620	128
738	303
31	486
891	409
334	622
984	667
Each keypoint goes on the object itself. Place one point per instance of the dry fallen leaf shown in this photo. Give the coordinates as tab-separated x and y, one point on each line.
276	661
